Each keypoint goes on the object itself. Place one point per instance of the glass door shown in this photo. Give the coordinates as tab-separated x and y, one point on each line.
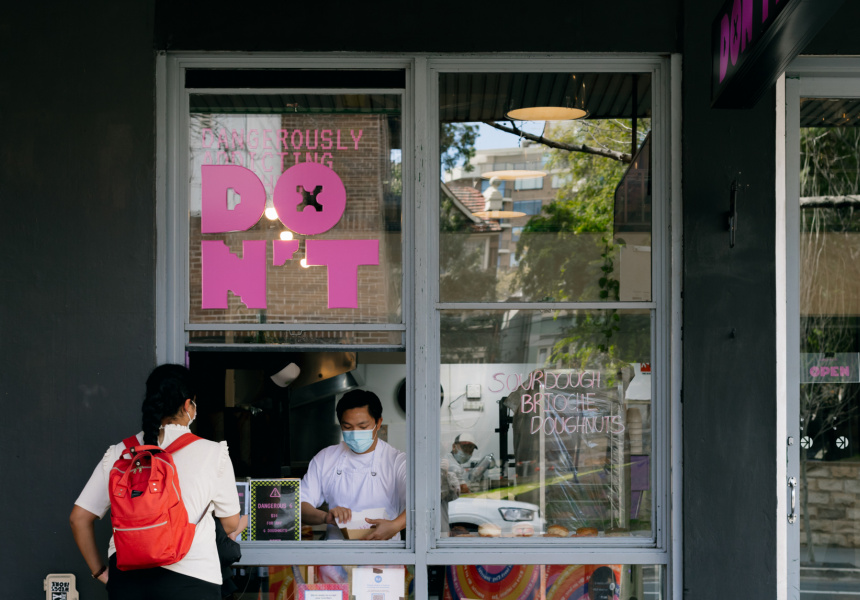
824	416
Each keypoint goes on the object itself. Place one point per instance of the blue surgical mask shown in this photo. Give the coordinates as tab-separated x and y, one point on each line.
359	440
460	456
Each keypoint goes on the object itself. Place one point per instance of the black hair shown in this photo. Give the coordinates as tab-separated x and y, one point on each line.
167	389
358	399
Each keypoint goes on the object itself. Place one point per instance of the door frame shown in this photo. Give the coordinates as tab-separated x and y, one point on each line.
806	76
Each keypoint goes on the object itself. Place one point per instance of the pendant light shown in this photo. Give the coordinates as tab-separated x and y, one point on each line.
494	204
571	107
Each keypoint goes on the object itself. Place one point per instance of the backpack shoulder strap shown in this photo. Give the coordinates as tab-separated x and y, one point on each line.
130	442
181	442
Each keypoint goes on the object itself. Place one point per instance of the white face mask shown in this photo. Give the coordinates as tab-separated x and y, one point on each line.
190	418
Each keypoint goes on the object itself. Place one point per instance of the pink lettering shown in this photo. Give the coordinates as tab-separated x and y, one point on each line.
222	139
241	134
736	31
527	405
535	424
725	32
342	257
326	139
210	138
339	147
215	215
283	250
355	139
310	198
283	138
497	380
746	24
222	271
267	141
308	139
844	371
293	138
267	164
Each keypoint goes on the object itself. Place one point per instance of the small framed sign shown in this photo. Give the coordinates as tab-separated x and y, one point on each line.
323	591
275	511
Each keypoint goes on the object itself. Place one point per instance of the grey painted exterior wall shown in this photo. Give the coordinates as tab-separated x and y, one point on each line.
77	180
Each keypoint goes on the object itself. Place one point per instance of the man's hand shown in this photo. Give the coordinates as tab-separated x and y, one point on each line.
384	530
338	513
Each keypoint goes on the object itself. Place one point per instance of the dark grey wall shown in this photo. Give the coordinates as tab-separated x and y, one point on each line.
729	379
77	312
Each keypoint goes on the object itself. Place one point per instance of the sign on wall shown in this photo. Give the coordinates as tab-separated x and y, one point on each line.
752	42
838	367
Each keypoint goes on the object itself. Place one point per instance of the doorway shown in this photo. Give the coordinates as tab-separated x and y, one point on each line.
823	340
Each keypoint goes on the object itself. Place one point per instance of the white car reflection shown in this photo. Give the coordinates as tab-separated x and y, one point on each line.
509	516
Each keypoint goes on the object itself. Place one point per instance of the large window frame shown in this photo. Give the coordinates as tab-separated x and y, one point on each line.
421	306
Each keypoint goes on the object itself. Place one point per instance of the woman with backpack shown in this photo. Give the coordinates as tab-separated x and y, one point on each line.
198	480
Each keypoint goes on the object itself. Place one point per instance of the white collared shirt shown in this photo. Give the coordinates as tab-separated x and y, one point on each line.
205	477
340	477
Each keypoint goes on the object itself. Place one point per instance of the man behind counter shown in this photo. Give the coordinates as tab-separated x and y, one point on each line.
461	452
361	473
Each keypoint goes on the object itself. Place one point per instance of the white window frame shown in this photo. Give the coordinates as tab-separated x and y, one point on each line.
421	308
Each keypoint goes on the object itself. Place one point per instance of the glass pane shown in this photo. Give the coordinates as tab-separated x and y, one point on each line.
295	209
323	582
577	191
277	411
546	582
546	423
829	494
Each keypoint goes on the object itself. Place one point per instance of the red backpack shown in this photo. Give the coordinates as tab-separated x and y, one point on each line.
150	522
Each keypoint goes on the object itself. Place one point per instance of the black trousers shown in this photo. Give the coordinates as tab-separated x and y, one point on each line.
157	584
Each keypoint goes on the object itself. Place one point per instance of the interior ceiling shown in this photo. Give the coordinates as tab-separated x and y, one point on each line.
829	112
469	97
463	97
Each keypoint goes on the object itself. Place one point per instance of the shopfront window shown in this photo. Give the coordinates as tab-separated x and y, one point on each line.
315	250
545	428
585	241
295	303
294	209
277	413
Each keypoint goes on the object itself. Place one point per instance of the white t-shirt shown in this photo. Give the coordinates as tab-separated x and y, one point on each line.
205	477
341	477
